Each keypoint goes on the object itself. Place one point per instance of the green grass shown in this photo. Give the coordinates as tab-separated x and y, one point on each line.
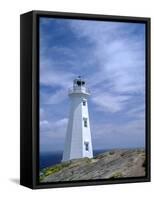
111	153
116	175
51	170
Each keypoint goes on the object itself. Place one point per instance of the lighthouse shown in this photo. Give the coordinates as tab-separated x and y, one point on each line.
78	143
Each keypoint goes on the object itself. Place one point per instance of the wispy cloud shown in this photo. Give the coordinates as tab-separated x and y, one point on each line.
55	98
114	135
120	59
110	56
110	102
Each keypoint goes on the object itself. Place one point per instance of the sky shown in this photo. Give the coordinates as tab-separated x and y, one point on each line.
111	58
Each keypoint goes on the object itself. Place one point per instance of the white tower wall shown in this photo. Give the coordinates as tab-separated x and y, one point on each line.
78	136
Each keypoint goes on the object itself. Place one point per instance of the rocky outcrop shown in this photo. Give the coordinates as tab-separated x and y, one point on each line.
109	165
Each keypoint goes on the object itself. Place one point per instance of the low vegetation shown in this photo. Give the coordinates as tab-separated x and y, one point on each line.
116	175
51	170
113	164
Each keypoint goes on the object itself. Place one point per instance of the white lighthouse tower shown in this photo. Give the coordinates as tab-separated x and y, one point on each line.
78	136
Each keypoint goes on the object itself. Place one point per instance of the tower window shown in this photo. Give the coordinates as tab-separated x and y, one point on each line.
84	103
86	146
85	122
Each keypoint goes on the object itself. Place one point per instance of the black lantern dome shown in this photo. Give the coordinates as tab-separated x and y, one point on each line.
79	81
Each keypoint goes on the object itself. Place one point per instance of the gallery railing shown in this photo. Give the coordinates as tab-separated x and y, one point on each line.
79	90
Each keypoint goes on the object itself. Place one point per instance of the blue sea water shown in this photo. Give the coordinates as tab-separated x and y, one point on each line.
52	158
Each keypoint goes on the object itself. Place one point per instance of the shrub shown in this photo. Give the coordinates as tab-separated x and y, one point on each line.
51	170
116	175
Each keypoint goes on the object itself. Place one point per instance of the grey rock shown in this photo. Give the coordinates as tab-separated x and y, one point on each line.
109	165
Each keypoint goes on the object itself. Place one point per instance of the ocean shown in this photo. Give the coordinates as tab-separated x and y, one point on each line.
48	159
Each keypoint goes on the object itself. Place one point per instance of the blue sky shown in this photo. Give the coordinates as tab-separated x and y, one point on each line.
111	58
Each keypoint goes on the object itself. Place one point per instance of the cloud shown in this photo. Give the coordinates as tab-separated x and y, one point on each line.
120	60
53	125
112	135
49	126
44	122
56	98
115	58
109	102
42	114
62	122
52	77
110	56
52	134
138	112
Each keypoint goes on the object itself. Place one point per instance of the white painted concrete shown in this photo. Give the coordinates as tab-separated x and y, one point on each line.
78	142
